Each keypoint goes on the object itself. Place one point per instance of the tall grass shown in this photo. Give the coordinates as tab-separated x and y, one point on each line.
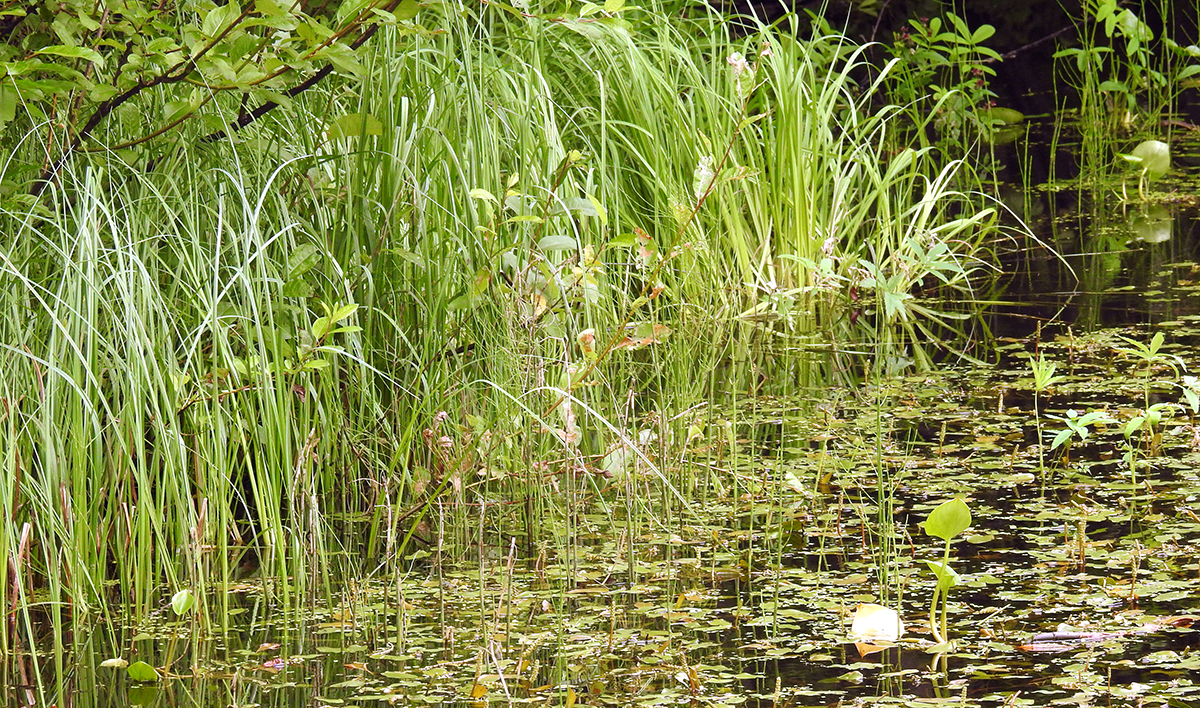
465	327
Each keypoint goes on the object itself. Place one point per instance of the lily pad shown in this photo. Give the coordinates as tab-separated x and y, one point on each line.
1155	158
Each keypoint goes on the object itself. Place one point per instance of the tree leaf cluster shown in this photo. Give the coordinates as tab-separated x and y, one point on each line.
70	65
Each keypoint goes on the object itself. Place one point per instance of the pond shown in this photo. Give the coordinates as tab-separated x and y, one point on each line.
1077	576
1075	583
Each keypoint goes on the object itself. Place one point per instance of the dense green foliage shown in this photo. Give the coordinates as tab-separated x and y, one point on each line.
491	263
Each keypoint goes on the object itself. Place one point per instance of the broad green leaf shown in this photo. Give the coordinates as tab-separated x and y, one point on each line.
1004	116
350	9
62	50
143	695
341	312
344	59
983	34
182	601
947	577
479	193
407	10
949	519
581	205
626	240
1155	156
297	288
320	328
354	125
557	242
8	106
219	18
303	259
142	672
1156	342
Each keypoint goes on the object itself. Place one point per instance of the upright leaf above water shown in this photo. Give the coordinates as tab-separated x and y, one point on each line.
1155	158
948	520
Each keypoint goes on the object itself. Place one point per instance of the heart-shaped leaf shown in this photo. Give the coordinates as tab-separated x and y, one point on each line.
1155	156
948	520
183	601
142	672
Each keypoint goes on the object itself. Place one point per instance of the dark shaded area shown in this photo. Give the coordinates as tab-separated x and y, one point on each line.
1028	33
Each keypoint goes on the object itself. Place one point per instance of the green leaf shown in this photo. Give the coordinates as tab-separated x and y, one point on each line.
142	695
599	209
626	240
142	672
297	288
1134	425
1003	116
1156	158
557	242
218	18
948	520
983	34
460	303
62	50
303	259
947	577
580	205
354	125
1156	342
342	312
407	10
183	601
320	328
8	106
749	120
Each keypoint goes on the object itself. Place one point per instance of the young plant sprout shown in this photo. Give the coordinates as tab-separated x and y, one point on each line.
948	520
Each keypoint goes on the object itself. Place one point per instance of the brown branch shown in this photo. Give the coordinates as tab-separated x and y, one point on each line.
248	117
175	74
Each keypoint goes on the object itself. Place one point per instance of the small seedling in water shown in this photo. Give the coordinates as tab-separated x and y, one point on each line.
1151	355
948	520
1043	378
1078	426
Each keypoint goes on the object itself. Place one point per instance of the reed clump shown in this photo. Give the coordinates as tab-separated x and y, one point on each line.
465	324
